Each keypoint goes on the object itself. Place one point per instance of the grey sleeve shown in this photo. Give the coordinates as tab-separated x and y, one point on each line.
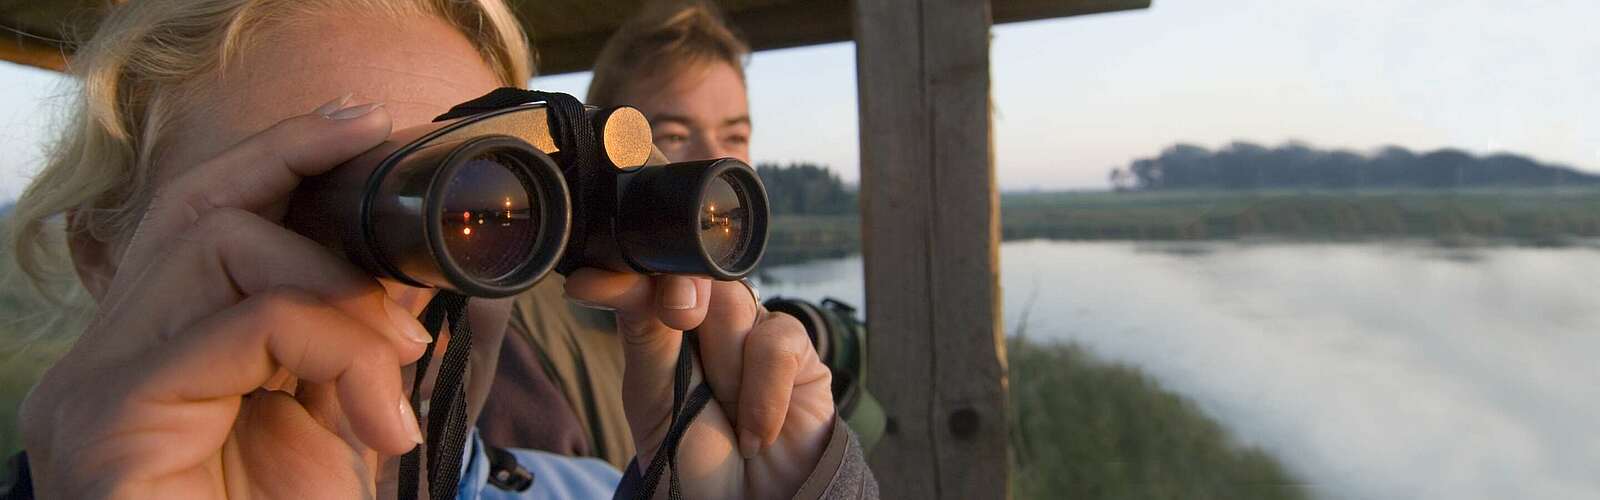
842	472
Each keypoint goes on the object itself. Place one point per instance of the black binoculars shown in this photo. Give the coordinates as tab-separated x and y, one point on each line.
487	203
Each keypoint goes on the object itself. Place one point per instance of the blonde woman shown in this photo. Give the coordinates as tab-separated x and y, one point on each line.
230	357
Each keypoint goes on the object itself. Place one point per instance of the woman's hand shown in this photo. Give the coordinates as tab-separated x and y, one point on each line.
774	397
160	396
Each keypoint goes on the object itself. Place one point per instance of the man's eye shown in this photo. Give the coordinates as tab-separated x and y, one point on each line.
671	140
737	140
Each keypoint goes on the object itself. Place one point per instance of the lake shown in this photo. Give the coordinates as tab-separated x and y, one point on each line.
1371	370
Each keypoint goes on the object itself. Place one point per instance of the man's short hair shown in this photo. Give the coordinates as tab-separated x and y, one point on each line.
667	36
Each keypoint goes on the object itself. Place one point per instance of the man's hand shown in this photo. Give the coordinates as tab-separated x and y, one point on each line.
774	410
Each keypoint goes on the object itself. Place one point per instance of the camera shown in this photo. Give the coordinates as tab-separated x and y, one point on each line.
486	203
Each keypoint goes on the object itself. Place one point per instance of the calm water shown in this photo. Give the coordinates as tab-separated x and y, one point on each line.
1372	370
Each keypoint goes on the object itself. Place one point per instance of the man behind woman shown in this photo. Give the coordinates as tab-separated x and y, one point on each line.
684	68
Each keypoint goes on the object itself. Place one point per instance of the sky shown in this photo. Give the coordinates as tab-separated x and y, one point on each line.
1075	97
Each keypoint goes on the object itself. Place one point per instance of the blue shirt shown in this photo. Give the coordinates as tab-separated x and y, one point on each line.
554	476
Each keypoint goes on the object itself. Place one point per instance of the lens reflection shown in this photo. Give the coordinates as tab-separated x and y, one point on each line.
489	228
724	221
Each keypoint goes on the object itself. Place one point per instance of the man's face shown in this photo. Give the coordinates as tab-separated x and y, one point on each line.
698	112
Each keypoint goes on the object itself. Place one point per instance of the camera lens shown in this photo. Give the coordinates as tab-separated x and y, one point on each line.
489	221
724	221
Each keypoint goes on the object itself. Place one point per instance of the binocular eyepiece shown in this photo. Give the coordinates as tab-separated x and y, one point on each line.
486	204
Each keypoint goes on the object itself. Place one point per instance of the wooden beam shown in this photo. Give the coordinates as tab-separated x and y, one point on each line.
25	51
930	232
764	27
37	32
779	25
1009	11
567	34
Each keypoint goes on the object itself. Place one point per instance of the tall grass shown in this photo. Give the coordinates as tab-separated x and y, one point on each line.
1519	216
1084	428
1526	215
34	332
1087	429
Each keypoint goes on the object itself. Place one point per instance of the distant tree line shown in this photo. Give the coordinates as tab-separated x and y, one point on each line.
806	188
1243	165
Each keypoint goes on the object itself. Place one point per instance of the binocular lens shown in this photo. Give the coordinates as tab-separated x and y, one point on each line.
704	218
488	219
724	221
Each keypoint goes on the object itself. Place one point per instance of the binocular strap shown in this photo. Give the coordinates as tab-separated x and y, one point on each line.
684	411
447	413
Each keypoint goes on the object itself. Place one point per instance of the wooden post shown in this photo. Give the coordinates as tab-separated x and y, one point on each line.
930	232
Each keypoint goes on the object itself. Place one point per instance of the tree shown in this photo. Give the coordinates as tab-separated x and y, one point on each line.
1243	165
805	188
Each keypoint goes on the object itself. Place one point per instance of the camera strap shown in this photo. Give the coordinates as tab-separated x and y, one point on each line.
447	412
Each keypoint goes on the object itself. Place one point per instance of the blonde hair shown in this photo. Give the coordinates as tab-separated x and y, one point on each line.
144	57
666	37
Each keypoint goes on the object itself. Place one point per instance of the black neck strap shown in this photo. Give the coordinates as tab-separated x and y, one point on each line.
447	413
686	406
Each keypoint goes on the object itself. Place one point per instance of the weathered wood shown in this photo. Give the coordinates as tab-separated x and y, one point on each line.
37	32
567	34
930	243
1006	11
38	55
765	24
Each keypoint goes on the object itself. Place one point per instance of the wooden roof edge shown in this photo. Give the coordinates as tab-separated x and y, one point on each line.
788	25
22	48
780	26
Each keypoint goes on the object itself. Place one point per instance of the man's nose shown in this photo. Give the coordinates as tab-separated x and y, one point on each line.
704	147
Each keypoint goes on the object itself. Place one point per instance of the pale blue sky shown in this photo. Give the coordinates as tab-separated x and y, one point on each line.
1077	96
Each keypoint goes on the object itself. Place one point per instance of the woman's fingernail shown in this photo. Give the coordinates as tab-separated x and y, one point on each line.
678	293
409	420
406	323
749	444
334	105
587	304
354	111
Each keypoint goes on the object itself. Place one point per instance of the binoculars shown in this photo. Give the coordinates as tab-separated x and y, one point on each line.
840	337
486	204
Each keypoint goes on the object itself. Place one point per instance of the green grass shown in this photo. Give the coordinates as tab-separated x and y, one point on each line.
1531	215
19	369
34	333
1087	429
797	238
1527	216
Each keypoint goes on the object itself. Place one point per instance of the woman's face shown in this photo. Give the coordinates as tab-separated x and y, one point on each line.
696	113
418	68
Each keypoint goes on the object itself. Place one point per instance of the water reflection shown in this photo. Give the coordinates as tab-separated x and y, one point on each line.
1372	370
